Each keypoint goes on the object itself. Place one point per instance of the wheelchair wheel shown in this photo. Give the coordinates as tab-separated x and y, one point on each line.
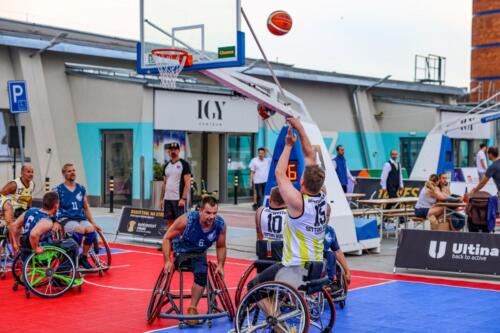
49	274
248	275
159	296
17	271
287	307
100	254
222	294
322	310
339	287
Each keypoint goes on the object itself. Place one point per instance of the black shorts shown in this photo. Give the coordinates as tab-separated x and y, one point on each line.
171	209
269	274
196	263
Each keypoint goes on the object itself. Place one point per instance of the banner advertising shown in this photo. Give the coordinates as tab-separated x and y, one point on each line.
371	186
464	252
142	222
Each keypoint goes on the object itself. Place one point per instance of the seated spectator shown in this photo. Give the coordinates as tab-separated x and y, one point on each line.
429	195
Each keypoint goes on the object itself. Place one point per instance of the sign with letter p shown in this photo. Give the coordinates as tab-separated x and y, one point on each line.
18	96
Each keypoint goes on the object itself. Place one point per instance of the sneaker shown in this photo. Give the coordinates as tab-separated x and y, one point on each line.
192	311
83	262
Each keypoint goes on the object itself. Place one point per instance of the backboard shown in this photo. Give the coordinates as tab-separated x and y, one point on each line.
208	29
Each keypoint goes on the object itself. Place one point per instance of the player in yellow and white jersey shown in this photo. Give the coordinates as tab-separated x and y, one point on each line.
20	190
304	232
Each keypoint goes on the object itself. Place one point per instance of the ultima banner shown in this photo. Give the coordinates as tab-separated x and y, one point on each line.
463	252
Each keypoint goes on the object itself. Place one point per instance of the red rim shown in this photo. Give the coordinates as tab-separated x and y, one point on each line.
242	284
173	53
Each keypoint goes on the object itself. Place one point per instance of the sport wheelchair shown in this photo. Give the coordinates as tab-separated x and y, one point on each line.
219	302
49	274
339	287
308	308
100	255
6	250
268	253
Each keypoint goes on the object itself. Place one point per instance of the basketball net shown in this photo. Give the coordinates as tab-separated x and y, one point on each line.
169	63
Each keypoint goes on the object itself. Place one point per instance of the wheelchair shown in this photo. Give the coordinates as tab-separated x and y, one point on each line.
6	251
99	255
49	274
268	253
308	308
168	303
339	287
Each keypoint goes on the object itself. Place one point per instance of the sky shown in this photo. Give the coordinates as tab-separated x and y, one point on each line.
362	37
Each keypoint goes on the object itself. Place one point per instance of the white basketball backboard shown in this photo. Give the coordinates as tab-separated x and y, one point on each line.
208	29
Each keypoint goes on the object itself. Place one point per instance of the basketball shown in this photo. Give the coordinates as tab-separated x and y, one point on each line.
279	23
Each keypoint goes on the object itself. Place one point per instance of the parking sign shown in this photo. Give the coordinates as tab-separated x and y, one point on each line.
18	96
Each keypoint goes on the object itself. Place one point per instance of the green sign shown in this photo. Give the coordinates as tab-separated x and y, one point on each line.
227	52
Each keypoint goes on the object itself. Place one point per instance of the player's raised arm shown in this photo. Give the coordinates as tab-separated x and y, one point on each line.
291	196
309	156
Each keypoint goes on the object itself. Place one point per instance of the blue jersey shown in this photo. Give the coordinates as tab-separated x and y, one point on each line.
31	217
194	239
330	240
71	202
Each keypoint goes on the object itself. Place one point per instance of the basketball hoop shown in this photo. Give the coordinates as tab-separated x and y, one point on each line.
170	62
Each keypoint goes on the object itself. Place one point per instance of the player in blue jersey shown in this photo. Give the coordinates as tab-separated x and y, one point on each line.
332	252
74	213
38	227
190	236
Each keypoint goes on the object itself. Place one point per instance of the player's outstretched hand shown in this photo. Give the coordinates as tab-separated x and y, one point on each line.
294	122
291	138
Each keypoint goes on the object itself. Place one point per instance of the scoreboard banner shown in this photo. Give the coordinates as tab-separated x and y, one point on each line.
142	222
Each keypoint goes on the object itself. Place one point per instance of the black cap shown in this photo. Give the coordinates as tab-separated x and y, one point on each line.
173	145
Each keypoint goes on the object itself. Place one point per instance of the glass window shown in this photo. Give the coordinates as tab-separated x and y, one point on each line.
410	148
5	153
240	151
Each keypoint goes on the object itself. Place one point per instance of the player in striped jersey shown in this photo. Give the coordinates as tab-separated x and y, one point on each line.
304	232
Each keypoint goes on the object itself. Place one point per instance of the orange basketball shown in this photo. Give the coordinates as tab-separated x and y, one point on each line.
279	23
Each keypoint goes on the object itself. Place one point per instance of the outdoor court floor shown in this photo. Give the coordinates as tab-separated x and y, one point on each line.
377	302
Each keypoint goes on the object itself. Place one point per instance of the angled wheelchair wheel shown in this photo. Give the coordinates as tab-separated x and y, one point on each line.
100	254
247	276
272	307
49	274
17	271
221	292
339	288
158	296
322	311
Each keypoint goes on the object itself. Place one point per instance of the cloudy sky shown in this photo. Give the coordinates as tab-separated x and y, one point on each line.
365	37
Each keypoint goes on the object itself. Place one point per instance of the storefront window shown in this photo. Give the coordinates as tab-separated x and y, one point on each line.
240	151
465	151
410	148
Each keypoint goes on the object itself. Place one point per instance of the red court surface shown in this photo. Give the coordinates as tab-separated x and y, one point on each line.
117	302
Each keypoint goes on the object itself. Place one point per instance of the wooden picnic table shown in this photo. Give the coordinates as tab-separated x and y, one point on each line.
355	195
450	207
381	203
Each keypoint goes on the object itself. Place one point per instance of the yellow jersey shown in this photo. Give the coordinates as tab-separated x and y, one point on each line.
303	236
21	198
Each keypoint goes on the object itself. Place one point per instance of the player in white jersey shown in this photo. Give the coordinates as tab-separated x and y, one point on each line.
304	231
270	221
20	190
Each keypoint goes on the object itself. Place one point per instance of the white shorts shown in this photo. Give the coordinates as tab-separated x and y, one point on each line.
293	275
70	226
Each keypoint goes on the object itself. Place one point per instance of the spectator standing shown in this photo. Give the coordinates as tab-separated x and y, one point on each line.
481	163
176	183
493	170
259	170
341	168
391	179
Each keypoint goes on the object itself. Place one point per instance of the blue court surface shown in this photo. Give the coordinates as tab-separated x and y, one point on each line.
399	306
